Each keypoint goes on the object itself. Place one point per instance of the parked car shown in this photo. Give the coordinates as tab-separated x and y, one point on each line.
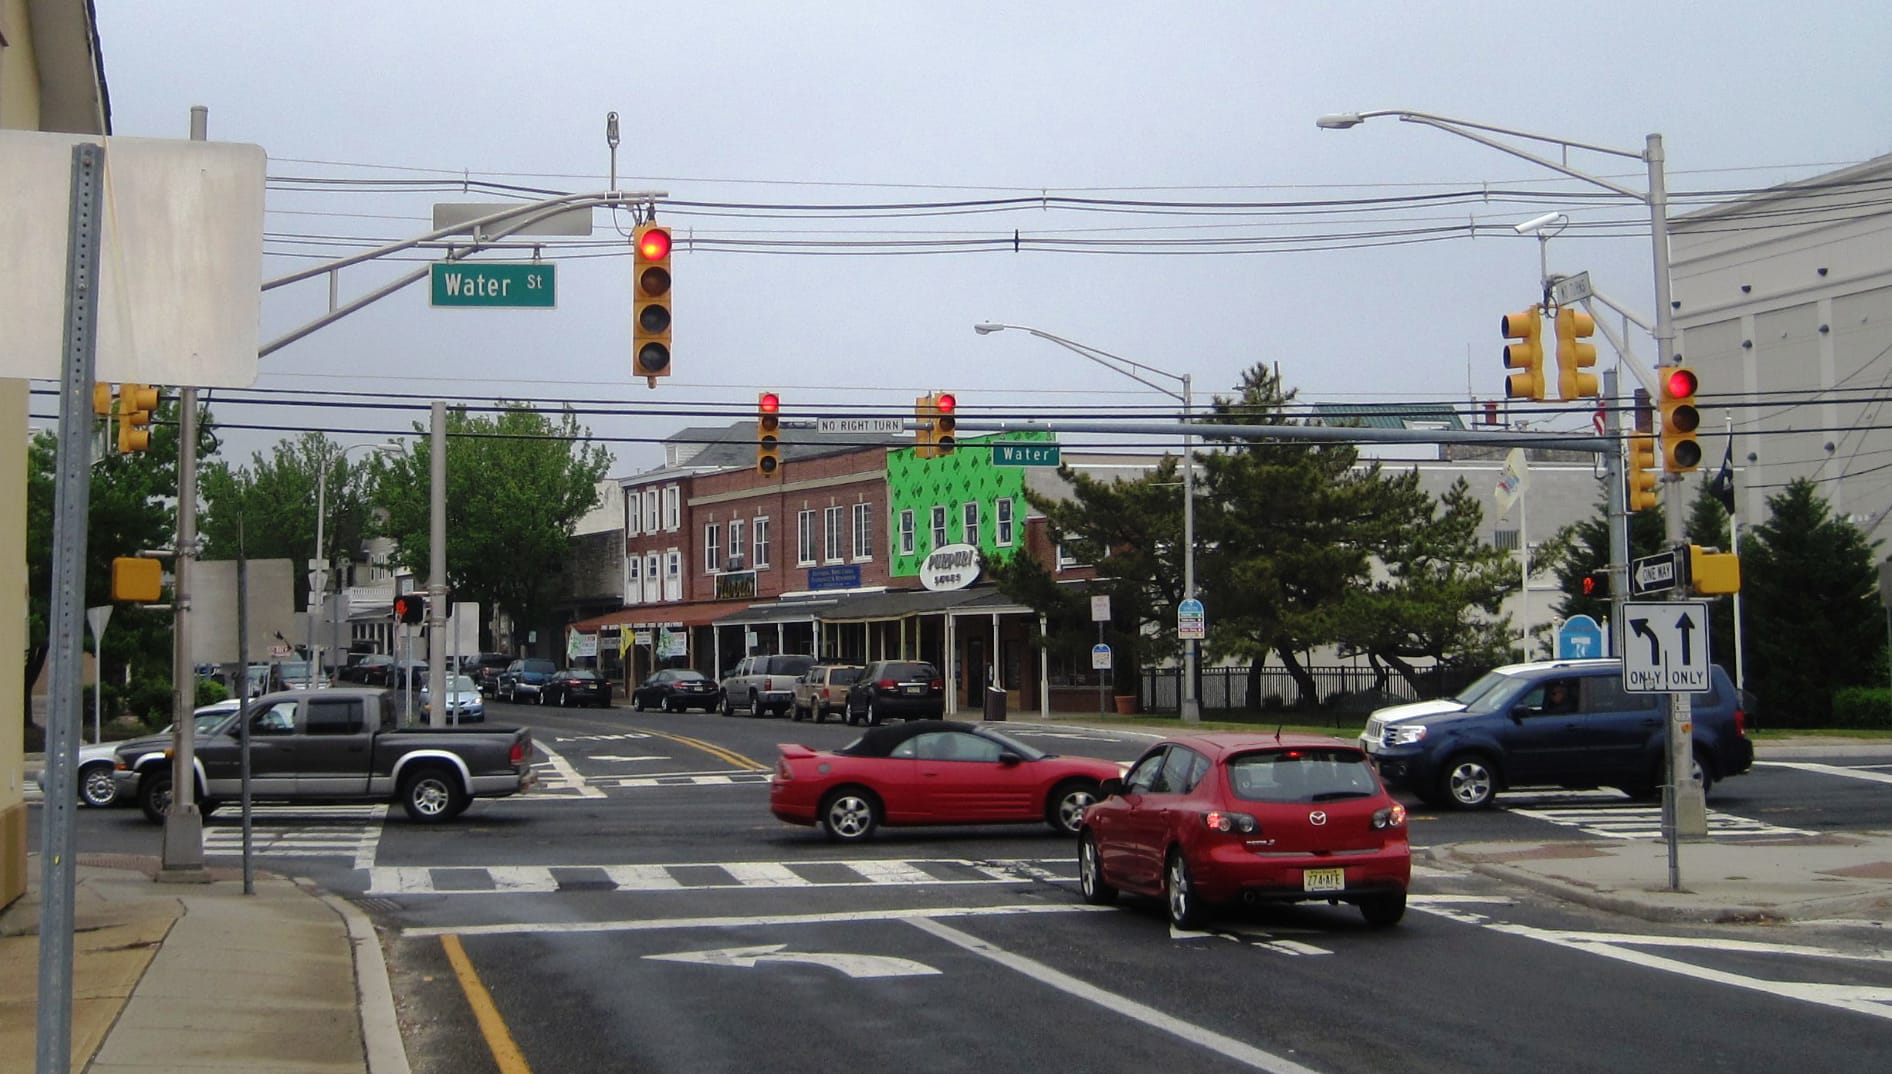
523	679
364	668
676	690
1517	733
295	675
823	689
97	782
1204	820
484	669
907	689
764	685
340	745
932	772
576	686
464	702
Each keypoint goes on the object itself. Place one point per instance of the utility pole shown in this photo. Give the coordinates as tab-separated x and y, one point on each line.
437	570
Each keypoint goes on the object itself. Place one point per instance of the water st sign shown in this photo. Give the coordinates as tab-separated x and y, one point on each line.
494	285
1024	454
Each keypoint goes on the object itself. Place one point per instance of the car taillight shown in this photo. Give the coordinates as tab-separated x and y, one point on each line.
1393	816
783	772
888	684
1218	821
518	754
936	684
1740	723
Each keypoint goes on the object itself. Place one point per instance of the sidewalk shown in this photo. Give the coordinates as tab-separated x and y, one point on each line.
201	977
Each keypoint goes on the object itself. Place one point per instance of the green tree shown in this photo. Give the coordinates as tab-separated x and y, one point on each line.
517	484
1441	591
1582	548
1707	526
1808	577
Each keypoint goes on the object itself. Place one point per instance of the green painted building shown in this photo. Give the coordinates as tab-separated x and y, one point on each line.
959	499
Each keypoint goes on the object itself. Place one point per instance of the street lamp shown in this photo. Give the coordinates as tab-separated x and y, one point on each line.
1688	816
1191	708
319	584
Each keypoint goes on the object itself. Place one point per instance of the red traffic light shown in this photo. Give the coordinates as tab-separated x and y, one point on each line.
654	244
945	403
769	403
1681	383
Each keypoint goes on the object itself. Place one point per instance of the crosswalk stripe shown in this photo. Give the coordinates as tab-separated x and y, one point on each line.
514	879
1645	822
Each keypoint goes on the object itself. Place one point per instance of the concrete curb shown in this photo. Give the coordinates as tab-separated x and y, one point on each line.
380	1028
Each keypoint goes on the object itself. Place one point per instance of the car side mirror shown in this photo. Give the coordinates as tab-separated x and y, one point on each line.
1008	759
1110	788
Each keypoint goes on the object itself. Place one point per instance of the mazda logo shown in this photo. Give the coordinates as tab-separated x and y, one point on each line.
1317	817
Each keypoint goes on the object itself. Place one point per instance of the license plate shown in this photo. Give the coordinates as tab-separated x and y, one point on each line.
1324	880
913	688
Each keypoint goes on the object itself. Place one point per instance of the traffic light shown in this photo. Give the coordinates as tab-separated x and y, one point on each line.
135	404
102	399
650	337
768	434
137	580
1526	355
410	608
1574	356
1681	452
1641	471
945	423
923	431
1596	584
1711	572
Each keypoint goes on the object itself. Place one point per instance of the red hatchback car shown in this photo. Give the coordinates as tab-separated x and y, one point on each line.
1208	819
932	772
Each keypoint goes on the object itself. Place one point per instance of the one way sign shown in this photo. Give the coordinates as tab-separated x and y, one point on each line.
1666	649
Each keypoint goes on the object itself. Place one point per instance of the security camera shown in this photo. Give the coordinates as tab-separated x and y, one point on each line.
1538	223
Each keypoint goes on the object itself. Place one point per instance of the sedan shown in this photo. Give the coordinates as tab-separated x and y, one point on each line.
932	772
676	689
1210	819
576	686
465	704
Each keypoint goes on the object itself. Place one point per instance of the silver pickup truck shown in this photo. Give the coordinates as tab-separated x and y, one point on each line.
338	745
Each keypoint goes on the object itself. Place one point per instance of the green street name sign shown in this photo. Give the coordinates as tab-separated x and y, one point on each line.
1024	454
494	284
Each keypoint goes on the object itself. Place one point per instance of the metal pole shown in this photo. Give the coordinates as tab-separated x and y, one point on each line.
1191	705
1618	516
72	485
1734	545
183	851
437	572
318	584
243	691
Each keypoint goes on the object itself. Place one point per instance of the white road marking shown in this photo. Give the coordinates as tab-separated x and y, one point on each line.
1830	770
427	880
853	965
568	774
1645	822
1122	1006
840	917
300	831
615	757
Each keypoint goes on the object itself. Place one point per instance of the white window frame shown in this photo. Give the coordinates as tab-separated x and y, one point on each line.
805	538
833	536
673	574
633	518
759	541
939	526
863	532
738	551
634	578
653	578
673	508
906	532
969	523
1002	522
712	547
1065	559
650	510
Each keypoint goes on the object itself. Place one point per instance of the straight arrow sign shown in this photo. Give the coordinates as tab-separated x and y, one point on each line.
1665	657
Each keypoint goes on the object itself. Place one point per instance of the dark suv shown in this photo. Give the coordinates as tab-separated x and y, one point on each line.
1565	723
484	670
764	684
525	679
907	689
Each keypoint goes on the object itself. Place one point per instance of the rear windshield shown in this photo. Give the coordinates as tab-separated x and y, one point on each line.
843	676
539	665
909	671
790	665
1301	775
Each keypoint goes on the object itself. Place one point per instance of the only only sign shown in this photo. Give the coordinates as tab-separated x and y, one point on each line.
1665	648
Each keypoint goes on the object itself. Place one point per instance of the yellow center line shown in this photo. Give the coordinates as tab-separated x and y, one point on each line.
714	750
492	1026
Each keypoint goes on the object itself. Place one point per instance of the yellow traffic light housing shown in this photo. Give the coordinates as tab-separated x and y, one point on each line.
137	580
945	423
923	427
1526	355
1681	452
102	399
1641	471
650	286
1711	572
768	434
1574	356
135	404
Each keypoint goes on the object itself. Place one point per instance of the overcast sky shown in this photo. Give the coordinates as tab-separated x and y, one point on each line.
791	107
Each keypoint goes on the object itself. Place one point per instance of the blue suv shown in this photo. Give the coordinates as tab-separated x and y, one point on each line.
1566	723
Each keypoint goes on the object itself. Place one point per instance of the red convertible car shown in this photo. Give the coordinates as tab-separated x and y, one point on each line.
1213	818
932	772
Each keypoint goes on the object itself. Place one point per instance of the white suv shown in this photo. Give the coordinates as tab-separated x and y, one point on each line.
764	685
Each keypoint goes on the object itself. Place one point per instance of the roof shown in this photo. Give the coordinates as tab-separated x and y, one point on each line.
1389	415
1223	742
701	448
881	741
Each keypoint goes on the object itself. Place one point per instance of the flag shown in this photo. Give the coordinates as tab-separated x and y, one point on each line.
1721	486
1515	478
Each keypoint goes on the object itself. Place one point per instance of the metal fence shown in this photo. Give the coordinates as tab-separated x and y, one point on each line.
1346	694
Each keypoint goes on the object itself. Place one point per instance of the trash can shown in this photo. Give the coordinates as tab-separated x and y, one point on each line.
994	703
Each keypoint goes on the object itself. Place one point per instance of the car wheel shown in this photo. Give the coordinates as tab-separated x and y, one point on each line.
666	706
1065	810
821	713
637	702
1383	911
1179	891
794	713
755	705
154	796
540	699
873	713
431	795
849	815
96	788
1090	872
1469	782
728	709
1704	773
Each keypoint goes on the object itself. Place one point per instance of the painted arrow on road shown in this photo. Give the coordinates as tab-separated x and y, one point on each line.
852	965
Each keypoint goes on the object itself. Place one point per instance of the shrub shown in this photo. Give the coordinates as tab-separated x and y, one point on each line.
1863	707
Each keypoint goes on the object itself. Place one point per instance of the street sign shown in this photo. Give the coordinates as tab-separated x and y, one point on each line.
1580	638
1652	574
1100	608
494	284
1665	647
857	425
1024	454
1100	657
1190	623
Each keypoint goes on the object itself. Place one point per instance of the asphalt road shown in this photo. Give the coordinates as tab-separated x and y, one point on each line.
642	911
